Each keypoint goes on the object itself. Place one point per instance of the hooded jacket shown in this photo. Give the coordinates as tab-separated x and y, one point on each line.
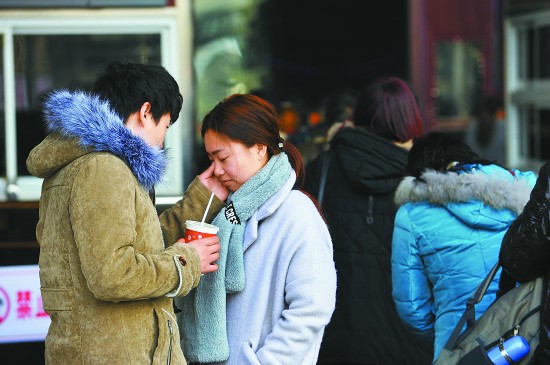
446	239
364	171
106	276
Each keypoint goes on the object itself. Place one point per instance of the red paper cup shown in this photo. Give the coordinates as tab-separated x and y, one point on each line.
196	230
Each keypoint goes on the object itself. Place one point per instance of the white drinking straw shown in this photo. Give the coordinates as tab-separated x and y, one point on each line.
207	207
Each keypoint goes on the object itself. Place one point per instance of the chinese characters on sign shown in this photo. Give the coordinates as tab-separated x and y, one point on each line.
22	317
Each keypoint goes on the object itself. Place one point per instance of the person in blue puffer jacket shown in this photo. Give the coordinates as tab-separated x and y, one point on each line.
454	211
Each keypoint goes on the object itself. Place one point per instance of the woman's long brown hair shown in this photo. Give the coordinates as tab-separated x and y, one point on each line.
249	119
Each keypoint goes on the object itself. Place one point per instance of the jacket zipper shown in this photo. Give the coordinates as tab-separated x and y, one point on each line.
370	208
169	344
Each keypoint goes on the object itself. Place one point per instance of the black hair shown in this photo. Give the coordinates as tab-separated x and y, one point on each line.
338	106
439	151
126	86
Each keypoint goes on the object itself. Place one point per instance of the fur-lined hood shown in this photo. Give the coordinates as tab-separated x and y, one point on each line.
81	123
492	185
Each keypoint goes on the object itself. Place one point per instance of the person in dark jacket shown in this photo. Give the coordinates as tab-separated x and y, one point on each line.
525	251
366	163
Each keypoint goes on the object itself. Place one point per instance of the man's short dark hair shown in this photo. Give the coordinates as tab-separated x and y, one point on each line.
126	86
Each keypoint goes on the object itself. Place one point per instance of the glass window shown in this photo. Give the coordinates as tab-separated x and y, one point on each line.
536	133
227	58
47	62
528	90
524	48
458	80
544	52
535	53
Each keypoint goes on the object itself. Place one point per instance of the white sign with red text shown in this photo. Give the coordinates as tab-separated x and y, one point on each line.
21	315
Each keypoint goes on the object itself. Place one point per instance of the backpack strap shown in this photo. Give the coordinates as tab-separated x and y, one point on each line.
469	314
505	284
324	172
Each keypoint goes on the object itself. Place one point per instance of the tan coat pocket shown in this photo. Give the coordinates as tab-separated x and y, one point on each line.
57	299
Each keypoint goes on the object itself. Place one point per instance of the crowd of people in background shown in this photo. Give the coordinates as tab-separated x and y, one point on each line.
365	161
416	217
353	238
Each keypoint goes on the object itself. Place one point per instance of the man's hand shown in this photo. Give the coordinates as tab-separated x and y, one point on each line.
212	182
208	250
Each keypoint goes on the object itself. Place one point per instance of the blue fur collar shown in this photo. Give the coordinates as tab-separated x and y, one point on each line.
91	121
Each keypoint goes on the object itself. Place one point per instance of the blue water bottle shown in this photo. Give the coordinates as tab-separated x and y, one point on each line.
509	352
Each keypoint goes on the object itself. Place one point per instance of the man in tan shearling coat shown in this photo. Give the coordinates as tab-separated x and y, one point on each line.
108	269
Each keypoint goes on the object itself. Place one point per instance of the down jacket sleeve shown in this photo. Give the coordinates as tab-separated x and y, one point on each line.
525	250
411	289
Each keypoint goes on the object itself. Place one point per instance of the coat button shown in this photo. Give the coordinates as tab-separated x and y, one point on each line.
182	261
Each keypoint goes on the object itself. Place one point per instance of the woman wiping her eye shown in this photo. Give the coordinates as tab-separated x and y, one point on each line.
274	291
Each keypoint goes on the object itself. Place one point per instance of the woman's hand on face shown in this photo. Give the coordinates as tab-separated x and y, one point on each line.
212	182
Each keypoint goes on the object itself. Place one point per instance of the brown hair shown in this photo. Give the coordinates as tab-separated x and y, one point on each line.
249	119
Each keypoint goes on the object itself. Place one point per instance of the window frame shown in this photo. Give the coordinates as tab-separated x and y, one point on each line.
522	93
169	23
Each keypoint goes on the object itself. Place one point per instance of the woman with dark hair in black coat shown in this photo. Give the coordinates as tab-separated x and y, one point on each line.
366	163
